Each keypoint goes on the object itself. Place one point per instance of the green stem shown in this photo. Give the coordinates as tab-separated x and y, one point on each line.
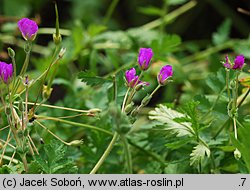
115	87
55	69
27	49
127	154
148	153
64	142
111	144
235	127
105	154
133	90
25	164
236	89
110	11
227	84
61	108
243	99
155	90
221	128
73	123
125	98
163	17
170	17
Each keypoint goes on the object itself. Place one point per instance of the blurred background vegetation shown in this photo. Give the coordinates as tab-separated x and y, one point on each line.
103	37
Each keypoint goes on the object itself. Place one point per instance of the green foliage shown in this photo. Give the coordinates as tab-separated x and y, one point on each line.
188	132
165	45
198	154
168	116
52	160
150	10
243	143
91	79
222	35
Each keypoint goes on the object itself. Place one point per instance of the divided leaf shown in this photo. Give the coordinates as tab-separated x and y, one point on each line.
170	117
91	79
198	154
53	160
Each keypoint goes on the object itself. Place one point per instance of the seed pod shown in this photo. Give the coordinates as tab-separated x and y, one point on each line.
134	112
76	143
129	107
146	100
8	110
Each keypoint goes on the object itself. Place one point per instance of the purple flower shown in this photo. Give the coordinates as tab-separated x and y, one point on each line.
227	64
144	58
6	71
239	62
132	78
28	28
165	72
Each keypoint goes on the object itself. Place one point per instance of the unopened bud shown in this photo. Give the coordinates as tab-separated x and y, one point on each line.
237	154
232	84
11	52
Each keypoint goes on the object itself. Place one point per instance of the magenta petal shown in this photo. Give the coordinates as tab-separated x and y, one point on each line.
144	57
130	74
239	62
6	71
28	28
227	64
165	72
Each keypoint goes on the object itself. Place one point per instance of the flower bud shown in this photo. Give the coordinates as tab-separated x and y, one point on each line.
144	58
239	62
237	154
232	84
165	73
28	28
11	52
6	72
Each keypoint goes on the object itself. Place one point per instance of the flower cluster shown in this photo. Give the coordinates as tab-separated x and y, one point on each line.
144	58
238	64
6	71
